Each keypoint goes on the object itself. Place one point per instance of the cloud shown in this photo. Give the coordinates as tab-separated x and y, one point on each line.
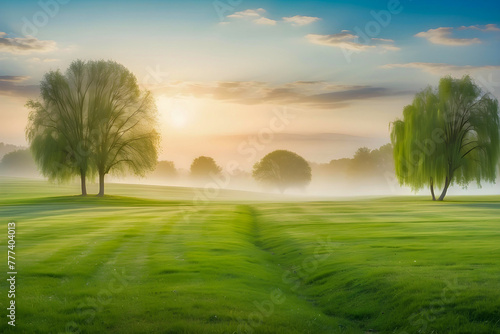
248	13
10	86
314	94
348	41
25	45
344	40
485	28
265	21
442	36
442	68
258	16
13	78
299	20
254	15
45	60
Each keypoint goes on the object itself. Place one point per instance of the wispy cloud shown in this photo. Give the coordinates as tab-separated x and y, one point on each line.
13	78
44	60
443	36
299	20
443	68
11	85
484	28
348	41
248	13
265	21
25	45
313	94
256	16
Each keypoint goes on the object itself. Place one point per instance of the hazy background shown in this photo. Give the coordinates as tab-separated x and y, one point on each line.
237	80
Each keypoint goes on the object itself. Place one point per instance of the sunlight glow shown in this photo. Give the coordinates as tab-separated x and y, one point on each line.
175	112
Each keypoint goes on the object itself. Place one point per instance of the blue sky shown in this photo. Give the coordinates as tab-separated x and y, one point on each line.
344	67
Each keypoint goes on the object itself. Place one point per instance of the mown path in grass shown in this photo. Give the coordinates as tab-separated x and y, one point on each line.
145	269
131	265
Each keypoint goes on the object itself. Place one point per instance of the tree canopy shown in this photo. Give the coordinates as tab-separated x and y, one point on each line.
282	169
92	119
18	163
204	167
447	135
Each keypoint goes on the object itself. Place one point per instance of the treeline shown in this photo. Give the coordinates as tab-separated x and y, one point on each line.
7	148
18	163
369	171
365	165
366	168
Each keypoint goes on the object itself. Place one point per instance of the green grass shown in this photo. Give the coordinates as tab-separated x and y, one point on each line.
157	263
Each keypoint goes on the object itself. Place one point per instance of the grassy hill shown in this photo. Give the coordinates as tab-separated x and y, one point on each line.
161	262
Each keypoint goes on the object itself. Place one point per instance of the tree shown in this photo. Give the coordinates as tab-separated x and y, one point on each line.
447	135
59	126
282	169
165	170
7	148
125	136
362	163
18	163
204	167
93	119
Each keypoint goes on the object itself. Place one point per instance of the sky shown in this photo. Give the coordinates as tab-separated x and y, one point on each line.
236	79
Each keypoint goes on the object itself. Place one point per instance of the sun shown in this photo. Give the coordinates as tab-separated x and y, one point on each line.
178	117
173	111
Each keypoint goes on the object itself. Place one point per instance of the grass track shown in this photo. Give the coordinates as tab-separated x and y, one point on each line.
158	264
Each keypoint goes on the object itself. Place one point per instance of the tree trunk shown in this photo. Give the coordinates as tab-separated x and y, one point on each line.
101	185
432	189
83	183
445	189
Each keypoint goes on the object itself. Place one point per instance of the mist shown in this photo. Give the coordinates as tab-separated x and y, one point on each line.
368	173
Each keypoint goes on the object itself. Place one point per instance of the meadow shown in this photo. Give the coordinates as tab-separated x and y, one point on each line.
148	259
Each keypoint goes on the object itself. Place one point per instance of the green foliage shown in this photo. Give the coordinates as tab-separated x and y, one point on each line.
126	138
204	167
6	148
92	119
165	170
59	125
282	169
18	163
366	165
447	135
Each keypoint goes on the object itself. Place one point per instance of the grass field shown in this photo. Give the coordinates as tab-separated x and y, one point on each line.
157	263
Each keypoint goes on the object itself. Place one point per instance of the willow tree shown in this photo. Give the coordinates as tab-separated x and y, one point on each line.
447	135
125	136
59	126
93	119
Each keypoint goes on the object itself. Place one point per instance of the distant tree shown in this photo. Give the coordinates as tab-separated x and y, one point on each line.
165	169
449	134
362	163
282	169
18	162
383	158
204	167
6	148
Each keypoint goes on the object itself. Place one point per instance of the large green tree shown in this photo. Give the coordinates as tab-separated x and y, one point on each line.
60	124
447	135
282	169
93	119
125	137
